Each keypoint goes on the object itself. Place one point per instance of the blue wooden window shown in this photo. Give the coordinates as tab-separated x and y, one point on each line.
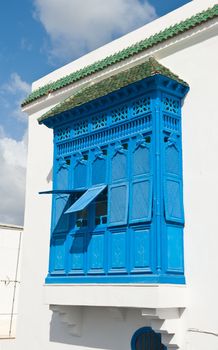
117	211
146	339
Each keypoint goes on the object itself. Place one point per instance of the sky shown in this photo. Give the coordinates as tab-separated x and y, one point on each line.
37	37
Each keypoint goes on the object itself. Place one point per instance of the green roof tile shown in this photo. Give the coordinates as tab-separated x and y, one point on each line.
125	53
113	83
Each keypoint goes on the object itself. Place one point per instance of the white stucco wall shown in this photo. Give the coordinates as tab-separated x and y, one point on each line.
10	254
104	328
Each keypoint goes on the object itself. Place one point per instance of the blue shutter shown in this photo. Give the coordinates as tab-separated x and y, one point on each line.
141	161
172	160
62	178
118	204
119	163
80	175
98	171
173	193
141	200
60	221
86	199
173	200
98	166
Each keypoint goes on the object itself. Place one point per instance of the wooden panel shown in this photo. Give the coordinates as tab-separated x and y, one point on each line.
117	251
96	252
140	250
58	254
77	251
174	249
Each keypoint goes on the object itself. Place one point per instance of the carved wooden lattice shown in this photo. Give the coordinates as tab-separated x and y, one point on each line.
142	105
171	105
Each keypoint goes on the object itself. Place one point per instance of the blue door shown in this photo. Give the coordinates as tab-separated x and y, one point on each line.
146	339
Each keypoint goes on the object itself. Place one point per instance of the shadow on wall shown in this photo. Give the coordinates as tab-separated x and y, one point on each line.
49	176
100	328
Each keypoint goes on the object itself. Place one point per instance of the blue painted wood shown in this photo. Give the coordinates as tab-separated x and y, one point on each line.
131	145
99	166
141	200
174	236
96	254
118	204
77	254
85	199
118	256
141	251
80	171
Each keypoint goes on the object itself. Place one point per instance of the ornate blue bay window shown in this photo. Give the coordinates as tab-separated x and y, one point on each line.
117	206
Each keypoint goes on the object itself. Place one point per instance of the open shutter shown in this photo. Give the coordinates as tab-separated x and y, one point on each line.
141	201
118	204
86	199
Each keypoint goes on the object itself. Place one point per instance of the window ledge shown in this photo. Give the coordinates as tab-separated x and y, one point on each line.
117	295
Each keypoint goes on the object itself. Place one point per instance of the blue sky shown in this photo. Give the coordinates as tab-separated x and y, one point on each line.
38	36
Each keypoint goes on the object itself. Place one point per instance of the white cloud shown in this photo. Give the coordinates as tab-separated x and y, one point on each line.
12	178
16	84
12	94
77	26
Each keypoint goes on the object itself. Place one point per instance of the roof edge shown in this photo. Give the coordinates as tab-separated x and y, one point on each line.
132	50
150	68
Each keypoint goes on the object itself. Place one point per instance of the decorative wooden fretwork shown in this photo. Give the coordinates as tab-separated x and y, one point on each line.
171	105
80	127
119	114
103	137
62	134
99	121
142	105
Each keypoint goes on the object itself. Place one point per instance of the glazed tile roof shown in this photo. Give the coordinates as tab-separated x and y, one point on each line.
153	40
113	83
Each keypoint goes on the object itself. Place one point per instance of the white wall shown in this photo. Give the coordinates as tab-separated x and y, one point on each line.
10	254
38	328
